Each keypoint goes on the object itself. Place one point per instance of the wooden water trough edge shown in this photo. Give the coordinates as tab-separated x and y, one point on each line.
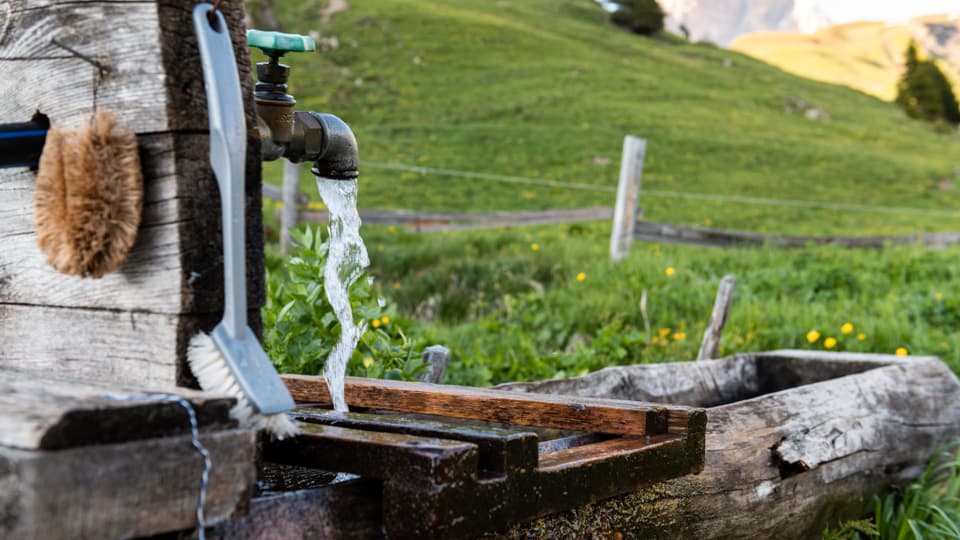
487	478
769	471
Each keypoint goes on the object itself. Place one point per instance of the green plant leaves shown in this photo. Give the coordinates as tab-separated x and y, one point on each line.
300	328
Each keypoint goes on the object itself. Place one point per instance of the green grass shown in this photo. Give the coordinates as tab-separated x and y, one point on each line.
510	312
927	508
548	89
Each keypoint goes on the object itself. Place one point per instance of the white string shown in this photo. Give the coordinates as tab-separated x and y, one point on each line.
195	439
715	197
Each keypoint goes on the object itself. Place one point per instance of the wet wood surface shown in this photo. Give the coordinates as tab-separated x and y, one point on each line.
444	480
500	450
585	414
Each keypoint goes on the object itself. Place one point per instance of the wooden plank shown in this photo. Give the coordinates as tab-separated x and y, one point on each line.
63	85
603	416
718	318
577	456
346	511
375	454
628	194
437	221
51	414
707	237
788	463
93	345
171	269
501	451
127	490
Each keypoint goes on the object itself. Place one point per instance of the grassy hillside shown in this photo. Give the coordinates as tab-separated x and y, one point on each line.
548	89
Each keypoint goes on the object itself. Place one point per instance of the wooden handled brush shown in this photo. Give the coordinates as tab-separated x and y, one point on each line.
230	360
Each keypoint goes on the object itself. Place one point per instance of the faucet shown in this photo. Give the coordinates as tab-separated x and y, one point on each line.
297	136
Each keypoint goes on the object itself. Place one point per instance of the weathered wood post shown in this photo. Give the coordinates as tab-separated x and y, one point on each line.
84	453
131	326
718	318
628	193
290	215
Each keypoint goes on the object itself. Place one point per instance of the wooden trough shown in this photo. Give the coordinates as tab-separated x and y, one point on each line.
796	441
793	441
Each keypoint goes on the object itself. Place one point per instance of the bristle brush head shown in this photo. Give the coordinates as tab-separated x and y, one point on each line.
214	376
89	197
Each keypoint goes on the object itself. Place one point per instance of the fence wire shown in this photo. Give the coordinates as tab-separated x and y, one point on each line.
668	194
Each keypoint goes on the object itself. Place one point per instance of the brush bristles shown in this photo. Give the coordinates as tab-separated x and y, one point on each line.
89	197
214	376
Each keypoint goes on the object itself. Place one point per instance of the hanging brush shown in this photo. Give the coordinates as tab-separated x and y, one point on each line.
230	360
88	197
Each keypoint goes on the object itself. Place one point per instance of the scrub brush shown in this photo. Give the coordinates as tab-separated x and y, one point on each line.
88	197
230	360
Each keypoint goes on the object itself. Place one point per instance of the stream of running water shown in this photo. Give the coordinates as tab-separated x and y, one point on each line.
346	259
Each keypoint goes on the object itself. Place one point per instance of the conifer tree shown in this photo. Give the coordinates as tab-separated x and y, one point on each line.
641	16
924	92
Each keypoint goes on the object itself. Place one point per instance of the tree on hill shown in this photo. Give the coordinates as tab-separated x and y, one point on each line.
641	16
924	92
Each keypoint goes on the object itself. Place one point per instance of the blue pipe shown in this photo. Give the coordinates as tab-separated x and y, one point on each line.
21	144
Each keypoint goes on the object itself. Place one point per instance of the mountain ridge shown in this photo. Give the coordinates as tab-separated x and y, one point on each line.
867	56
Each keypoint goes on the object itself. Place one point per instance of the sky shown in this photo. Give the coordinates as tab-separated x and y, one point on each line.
840	11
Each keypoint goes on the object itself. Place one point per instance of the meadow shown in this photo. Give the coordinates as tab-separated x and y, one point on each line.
547	89
493	88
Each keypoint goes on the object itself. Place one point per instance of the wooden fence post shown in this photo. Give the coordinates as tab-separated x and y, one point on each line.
718	318
290	215
628	193
436	357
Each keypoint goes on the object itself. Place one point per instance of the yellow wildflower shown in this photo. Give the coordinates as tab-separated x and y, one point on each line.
655	340
385	319
830	343
376	323
679	336
938	296
535	247
902	351
367	361
581	276
664	332
392	229
670	271
315	205
861	336
396	285
813	336
847	328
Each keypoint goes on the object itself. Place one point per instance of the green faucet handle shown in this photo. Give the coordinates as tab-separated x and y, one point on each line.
278	43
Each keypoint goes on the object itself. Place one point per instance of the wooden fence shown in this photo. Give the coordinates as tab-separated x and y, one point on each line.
627	224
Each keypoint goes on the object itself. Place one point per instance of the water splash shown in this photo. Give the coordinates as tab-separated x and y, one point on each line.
346	259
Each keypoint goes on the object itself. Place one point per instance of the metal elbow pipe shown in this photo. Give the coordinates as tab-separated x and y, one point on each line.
338	157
